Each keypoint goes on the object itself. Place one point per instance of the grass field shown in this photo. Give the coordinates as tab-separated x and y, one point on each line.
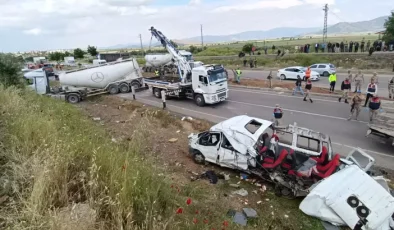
63	171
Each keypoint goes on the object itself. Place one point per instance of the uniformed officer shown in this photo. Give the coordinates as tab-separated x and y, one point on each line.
359	80
345	87
391	88
308	87
239	73
355	105
374	106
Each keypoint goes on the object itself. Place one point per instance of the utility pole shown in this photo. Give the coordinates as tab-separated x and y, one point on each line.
325	9
142	48
202	38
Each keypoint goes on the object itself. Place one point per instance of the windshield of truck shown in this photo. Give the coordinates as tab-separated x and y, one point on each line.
188	57
217	77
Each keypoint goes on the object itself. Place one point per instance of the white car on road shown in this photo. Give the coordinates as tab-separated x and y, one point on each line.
294	72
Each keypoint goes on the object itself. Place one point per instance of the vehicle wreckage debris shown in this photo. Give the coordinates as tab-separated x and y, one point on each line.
241	218
210	175
328	226
241	192
173	140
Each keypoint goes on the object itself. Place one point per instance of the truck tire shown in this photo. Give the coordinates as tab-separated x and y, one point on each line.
113	89
73	98
124	88
136	85
157	92
199	99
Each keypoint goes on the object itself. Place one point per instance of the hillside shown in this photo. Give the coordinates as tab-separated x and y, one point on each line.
376	24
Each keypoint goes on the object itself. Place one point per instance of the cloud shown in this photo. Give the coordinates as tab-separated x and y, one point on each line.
54	24
336	11
253	5
35	31
195	2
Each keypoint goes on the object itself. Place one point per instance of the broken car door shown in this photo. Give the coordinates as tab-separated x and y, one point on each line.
229	157
209	144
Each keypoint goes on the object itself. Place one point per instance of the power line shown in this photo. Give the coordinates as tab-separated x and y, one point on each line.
325	9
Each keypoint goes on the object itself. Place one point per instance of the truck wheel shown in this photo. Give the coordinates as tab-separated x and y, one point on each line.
136	85
124	88
198	158
157	92
199	99
113	89
73	98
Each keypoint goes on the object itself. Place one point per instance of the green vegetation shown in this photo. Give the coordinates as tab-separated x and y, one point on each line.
78	53
389	25
92	50
10	70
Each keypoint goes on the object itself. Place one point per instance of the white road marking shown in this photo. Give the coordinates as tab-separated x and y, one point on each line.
295	111
225	118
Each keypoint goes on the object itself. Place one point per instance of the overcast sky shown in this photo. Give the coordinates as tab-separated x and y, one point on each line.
55	24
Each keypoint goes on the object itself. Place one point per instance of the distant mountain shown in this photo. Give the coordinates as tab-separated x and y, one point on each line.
253	35
373	25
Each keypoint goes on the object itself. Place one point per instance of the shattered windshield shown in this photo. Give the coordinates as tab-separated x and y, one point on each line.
217	77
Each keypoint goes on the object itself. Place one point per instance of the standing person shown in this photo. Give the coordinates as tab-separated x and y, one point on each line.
356	45
342	47
345	87
375	78
368	44
333	80
359	80
245	62
316	48
308	88
355	105
298	86
239	73
351	46
255	62
374	106
372	89
362	46
308	73
278	114
391	88
251	63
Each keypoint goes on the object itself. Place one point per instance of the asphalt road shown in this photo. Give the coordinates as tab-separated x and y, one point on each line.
325	115
323	82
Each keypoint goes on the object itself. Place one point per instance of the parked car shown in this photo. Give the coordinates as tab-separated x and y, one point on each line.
324	69
294	72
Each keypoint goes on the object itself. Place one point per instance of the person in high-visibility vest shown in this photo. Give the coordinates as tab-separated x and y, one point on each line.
157	73
308	73
332	79
239	73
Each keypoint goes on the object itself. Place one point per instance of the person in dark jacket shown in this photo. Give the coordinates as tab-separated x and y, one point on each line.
345	87
308	87
278	114
298	86
374	106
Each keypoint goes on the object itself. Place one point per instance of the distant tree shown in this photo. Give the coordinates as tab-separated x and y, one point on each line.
10	70
67	54
92	51
78	53
389	25
174	44
56	56
247	48
193	49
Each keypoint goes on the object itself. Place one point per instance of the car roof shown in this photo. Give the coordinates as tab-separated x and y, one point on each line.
322	64
296	67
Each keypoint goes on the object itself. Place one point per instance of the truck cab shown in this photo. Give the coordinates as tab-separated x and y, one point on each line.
211	82
37	80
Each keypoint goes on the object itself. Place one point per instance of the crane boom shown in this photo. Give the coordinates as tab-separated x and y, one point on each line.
184	68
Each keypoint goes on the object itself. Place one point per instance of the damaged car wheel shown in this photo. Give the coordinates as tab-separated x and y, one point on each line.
198	158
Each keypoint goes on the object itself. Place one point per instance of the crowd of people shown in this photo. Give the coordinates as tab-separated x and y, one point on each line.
372	99
345	46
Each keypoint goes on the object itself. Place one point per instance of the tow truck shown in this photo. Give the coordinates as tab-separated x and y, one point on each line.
205	84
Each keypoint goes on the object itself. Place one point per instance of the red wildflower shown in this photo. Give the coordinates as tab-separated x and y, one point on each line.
225	223
179	190
206	221
172	186
195	221
179	211
123	167
197	212
188	201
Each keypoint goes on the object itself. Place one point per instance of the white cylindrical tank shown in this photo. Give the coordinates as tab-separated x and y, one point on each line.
101	76
156	60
